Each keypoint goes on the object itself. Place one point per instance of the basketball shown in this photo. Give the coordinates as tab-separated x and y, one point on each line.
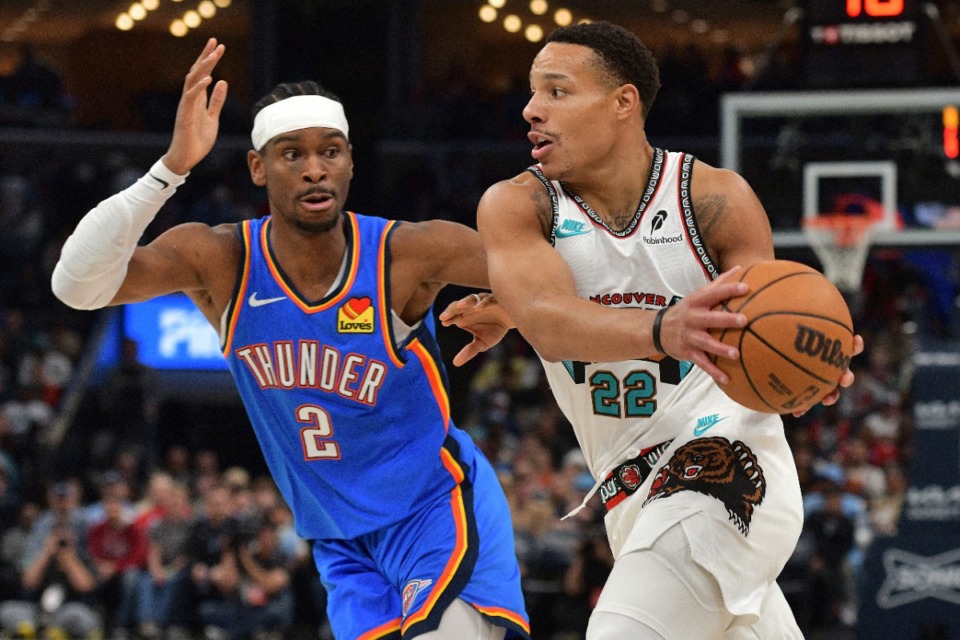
796	344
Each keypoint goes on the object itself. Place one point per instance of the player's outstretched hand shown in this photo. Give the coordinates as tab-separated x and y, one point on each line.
846	379
481	316
198	118
685	327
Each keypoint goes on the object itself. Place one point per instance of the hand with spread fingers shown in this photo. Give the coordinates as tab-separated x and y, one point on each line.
481	316
198	116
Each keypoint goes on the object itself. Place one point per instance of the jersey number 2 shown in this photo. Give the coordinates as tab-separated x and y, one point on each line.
316	437
638	390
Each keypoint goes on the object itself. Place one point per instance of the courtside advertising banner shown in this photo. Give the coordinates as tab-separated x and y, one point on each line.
911	581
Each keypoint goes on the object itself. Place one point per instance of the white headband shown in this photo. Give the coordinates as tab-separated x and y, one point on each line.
298	112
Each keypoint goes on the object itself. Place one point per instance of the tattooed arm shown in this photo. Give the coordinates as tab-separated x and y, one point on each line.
535	286
732	221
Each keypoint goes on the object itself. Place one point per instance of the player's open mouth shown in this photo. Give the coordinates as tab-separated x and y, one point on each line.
540	144
317	201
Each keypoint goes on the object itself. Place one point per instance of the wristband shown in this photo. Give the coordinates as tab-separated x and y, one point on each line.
656	331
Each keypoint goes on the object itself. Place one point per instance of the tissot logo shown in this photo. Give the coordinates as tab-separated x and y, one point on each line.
848	34
911	577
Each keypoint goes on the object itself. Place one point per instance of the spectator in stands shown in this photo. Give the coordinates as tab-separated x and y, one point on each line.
45	367
885	509
163	597
260	603
156	501
9	499
833	534
110	485
13	549
62	512
586	576
242	506
23	418
796	580
130	403
118	549
206	472
58	583
130	462
213	567
177	464
868	480
16	337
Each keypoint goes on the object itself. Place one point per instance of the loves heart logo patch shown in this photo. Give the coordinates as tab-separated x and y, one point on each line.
356	306
356	315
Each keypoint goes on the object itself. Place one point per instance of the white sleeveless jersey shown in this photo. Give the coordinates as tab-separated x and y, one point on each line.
656	260
728	476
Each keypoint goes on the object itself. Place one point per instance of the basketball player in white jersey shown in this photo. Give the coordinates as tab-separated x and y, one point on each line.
607	254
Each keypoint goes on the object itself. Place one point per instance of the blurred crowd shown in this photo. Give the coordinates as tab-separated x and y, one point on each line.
149	542
154	543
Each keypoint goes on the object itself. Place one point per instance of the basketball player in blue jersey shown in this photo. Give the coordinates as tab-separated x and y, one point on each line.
325	320
609	255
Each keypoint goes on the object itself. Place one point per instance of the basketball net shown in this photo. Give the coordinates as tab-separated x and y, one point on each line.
842	243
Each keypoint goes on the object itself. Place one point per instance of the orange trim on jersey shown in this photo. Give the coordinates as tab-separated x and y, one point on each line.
499	612
382	631
452	466
241	290
347	283
436	380
383	279
459	550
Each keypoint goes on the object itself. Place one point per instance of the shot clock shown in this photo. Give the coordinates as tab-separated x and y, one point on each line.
863	43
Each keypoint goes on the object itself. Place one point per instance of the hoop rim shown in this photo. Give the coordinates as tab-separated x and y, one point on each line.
847	229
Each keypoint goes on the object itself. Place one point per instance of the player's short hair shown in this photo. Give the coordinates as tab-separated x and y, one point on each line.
620	54
290	89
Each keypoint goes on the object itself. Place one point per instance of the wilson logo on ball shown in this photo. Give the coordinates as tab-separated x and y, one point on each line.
816	344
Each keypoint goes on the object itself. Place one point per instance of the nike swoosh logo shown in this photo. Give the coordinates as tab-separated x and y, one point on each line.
254	301
164	184
700	430
569	234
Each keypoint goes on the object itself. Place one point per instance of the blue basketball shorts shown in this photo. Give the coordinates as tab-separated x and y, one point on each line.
397	581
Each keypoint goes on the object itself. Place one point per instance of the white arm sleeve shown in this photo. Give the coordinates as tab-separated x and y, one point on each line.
94	259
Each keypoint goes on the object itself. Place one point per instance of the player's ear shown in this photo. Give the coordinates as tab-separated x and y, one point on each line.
628	101
257	173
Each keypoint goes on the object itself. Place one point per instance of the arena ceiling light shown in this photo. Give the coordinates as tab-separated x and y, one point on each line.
534	25
192	18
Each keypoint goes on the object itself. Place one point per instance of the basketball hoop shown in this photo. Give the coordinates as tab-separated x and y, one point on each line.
842	243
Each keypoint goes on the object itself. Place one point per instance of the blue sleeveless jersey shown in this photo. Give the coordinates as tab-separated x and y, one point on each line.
352	425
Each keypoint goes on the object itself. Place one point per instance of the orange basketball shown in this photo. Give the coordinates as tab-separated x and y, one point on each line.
796	344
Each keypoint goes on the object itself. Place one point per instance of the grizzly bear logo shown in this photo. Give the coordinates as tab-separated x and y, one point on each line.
717	468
